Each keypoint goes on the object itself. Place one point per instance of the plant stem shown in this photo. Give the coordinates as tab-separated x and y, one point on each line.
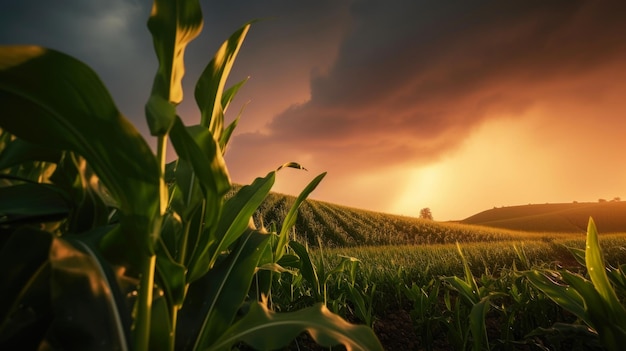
144	305
185	238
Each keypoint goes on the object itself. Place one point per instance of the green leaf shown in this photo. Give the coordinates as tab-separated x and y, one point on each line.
464	289
19	151
32	203
171	274
477	323
197	146
579	255
292	215
160	326
210	86
214	300
82	289
238	210
173	24
326	328
186	195
307	269
295	165
597	272
25	310
160	115
562	294
70	109
230	93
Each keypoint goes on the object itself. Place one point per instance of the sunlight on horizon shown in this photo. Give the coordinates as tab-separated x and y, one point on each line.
479	175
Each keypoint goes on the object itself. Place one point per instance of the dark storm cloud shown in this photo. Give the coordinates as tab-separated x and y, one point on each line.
112	38
412	79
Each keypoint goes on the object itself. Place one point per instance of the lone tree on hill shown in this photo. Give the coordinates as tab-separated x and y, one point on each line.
425	213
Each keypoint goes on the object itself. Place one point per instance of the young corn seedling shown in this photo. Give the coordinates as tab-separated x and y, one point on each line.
477	299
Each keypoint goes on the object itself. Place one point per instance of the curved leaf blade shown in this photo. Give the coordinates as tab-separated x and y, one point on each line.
210	86
238	210
81	289
197	146
32	202
326	328
70	109
230	283
19	151
292	215
597	272
173	24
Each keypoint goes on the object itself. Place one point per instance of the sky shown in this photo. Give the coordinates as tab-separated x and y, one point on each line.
458	106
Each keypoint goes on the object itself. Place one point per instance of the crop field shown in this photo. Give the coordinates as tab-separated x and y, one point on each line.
401	275
105	245
341	226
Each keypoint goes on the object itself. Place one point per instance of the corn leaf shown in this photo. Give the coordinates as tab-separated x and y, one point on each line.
266	330
210	87
81	289
292	215
562	294
477	323
597	273
579	255
173	24
32	203
24	281
230	93
238	210
160	326
19	151
307	268
465	290
70	109
197	146
171	274
214	300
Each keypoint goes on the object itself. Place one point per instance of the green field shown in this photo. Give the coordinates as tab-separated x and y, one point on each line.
106	246
404	260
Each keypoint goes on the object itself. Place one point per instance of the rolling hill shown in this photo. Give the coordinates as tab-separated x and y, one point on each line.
341	226
610	217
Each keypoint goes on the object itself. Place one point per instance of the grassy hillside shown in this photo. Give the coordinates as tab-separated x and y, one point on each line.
340	226
610	217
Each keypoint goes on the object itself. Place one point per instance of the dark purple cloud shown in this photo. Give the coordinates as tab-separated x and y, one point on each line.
413	79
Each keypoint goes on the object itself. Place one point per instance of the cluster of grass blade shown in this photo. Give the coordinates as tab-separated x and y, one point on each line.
108	247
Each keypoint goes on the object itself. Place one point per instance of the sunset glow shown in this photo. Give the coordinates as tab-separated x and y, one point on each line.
406	105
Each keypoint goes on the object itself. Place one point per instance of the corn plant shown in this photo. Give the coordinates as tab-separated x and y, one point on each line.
427	317
106	246
477	299
593	300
